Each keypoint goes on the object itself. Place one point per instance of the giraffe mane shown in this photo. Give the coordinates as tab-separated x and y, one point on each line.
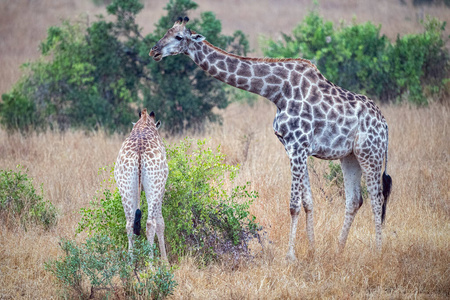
260	59
144	115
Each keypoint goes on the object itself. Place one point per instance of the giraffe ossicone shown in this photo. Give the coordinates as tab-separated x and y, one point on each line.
142	163
314	118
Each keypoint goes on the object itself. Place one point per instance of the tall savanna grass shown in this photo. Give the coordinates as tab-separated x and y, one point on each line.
414	263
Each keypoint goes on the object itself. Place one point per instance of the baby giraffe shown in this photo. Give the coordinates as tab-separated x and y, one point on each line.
142	163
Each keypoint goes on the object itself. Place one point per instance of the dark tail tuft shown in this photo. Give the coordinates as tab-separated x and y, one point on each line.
387	185
137	222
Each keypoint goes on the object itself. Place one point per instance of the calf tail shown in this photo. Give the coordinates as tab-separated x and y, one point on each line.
137	222
387	181
138	214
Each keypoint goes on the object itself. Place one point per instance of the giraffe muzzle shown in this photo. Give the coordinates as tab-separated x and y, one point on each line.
155	53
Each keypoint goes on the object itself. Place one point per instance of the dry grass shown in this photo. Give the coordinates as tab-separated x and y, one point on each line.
415	262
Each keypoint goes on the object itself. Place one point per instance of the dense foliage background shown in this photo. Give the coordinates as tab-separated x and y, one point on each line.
96	75
358	58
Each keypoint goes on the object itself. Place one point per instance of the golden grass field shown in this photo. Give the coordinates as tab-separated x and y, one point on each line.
415	260
414	263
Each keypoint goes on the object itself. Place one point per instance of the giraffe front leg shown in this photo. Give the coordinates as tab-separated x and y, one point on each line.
294	220
307	203
300	195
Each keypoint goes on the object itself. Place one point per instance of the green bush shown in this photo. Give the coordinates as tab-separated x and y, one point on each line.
21	204
358	58
203	217
99	265
105	214
94	74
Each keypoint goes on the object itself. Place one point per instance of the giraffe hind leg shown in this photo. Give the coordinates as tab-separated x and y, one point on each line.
372	172
154	194
353	199
155	225
129	193
130	221
160	233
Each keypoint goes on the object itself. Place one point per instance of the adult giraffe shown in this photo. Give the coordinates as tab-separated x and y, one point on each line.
314	118
142	163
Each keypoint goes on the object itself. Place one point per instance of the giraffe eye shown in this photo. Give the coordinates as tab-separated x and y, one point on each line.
179	38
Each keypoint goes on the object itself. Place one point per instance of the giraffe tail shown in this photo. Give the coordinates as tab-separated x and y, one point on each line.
137	222
387	182
138	213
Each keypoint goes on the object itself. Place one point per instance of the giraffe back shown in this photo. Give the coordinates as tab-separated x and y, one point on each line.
141	162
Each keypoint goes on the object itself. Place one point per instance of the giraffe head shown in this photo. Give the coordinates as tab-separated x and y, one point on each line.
146	119
178	39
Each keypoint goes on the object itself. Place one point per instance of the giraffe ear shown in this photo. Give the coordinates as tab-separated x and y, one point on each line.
178	21
197	37
158	124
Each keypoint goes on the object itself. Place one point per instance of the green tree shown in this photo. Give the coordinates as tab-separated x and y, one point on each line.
359	58
183	93
96	75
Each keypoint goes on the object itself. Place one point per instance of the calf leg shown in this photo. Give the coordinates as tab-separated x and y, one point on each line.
160	233
151	229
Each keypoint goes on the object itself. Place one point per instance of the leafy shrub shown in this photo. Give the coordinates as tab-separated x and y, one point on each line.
21	204
93	74
335	175
105	214
100	265
358	58
201	216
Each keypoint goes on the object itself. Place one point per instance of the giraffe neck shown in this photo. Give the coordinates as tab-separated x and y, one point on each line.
275	79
